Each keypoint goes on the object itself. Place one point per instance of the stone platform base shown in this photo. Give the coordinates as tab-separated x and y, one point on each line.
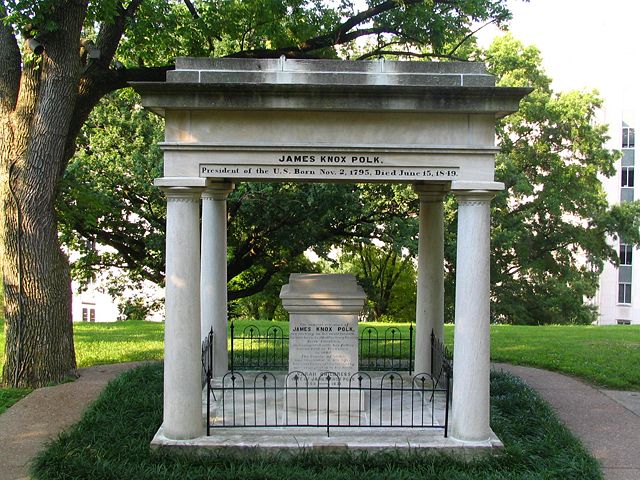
248	440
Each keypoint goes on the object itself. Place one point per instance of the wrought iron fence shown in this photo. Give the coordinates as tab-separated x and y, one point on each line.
389	351
271	399
269	349
207	359
258	350
386	400
441	360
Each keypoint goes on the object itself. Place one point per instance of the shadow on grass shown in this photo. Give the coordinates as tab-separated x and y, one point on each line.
112	441
9	396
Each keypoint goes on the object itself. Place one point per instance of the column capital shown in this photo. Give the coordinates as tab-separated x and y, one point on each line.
474	197
217	191
431	192
184	182
478	185
182	194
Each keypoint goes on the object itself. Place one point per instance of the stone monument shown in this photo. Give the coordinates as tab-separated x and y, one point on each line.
323	323
431	124
323	332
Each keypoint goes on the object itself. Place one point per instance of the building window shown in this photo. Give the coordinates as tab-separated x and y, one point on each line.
88	314
627	177
626	254
628	157
626	195
624	293
628	137
623	322
625	273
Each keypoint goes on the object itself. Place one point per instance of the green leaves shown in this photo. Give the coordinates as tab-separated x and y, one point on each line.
387	275
31	17
550	224
162	30
107	193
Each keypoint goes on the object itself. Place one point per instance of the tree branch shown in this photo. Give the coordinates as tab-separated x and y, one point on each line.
9	65
192	9
469	35
342	30
96	84
243	259
110	34
98	79
340	35
255	287
303	51
368	14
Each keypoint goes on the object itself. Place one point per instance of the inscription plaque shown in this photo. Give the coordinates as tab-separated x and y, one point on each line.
324	343
323	323
323	338
313	172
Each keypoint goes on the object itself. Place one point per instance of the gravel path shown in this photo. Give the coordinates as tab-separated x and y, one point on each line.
38	418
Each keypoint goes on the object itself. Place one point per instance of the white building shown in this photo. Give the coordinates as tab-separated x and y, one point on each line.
92	303
618	298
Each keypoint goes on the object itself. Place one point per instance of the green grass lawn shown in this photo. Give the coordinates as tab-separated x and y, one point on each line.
9	396
112	441
102	343
606	356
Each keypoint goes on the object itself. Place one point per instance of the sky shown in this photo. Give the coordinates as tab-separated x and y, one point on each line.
585	44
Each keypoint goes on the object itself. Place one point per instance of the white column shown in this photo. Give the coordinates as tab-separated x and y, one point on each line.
470	401
213	274
430	281
182	389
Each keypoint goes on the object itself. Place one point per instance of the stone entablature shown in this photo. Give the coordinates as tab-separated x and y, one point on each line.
330	85
329	120
266	72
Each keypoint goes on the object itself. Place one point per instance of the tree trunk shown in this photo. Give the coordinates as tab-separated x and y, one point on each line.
34	135
39	335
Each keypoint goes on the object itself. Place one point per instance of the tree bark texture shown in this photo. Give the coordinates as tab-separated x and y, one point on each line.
44	102
33	134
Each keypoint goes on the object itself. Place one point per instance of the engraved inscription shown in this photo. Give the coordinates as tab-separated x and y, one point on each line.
309	170
328	344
